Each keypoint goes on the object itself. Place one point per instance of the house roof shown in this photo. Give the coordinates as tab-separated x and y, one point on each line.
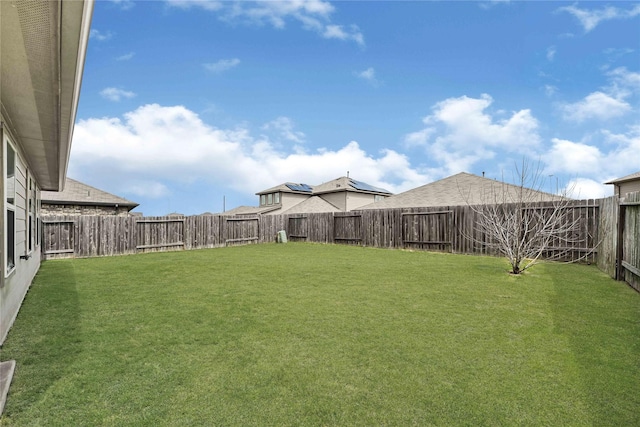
313	204
631	177
42	57
289	187
336	185
457	190
250	210
348	184
78	193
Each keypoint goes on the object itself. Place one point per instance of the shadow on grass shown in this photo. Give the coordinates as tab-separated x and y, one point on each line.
45	339
599	319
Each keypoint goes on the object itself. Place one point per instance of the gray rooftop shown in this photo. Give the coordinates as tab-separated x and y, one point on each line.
631	177
348	184
77	193
313	204
458	190
339	184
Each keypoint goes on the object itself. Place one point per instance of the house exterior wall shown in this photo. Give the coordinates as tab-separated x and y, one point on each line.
627	187
338	199
55	209
15	283
356	200
287	201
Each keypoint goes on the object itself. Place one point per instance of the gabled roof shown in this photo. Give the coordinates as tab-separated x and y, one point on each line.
289	187
44	45
78	193
339	184
314	204
457	190
250	210
347	184
631	177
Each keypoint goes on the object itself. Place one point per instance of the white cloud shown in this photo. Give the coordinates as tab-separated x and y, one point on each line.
572	157
585	188
589	19
466	133
314	15
419	138
284	128
339	32
222	65
551	53
623	82
550	90
368	75
597	105
115	94
124	4
154	146
126	56
100	36
591	166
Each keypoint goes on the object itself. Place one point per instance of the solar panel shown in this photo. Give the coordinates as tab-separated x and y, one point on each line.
363	186
300	187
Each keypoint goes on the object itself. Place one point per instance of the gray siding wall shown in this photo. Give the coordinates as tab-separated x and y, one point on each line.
13	287
629	187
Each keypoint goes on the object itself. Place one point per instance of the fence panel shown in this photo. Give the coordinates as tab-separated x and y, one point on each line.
203	231
347	229
241	230
429	230
159	234
298	228
631	239
58	238
608	234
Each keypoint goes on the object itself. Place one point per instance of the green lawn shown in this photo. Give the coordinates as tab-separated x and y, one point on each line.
303	334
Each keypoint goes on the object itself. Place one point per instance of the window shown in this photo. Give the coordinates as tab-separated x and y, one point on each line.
31	214
276	198
269	199
10	208
377	198
263	200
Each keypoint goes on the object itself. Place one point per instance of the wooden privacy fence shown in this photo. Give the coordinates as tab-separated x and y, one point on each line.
608	232
628	250
450	229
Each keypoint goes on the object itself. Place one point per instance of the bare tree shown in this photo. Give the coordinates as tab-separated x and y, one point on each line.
522	222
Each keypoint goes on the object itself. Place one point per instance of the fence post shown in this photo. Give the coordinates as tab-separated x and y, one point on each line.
620	242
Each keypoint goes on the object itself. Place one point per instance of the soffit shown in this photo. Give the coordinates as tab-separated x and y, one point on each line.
42	53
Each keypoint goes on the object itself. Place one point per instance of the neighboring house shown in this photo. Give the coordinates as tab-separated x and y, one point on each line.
626	184
458	190
41	57
82	199
339	195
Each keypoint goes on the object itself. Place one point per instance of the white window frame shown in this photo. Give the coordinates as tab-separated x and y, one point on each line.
9	207
30	216
276	198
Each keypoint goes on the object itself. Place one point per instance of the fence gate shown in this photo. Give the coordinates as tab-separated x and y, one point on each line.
347	229
427	230
242	230
159	234
298	229
628	237
59	238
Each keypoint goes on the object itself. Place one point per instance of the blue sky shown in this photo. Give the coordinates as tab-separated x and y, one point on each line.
185	103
